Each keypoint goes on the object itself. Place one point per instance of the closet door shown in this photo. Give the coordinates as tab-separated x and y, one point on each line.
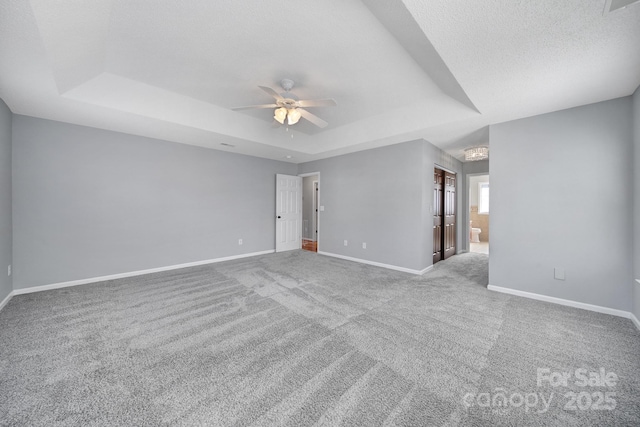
438	213
449	233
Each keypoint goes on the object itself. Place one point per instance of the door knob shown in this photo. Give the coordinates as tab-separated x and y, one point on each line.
278	216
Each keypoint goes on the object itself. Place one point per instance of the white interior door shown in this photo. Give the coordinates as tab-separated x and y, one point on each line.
288	212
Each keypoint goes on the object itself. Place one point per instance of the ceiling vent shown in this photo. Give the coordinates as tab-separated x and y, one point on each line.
613	5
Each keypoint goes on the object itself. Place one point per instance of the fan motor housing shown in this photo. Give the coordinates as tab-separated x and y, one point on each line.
287	102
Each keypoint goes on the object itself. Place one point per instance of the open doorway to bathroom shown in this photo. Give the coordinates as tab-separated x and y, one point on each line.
479	214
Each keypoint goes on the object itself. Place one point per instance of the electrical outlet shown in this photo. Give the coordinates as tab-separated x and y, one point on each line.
346	243
364	245
9	270
558	273
321	208
239	241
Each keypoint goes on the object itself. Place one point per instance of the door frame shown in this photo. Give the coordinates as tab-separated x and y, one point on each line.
304	175
315	185
467	226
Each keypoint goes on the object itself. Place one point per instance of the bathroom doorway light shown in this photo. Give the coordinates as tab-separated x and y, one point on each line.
474	154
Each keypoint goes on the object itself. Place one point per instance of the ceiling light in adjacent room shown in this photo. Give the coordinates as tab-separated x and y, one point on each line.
476	153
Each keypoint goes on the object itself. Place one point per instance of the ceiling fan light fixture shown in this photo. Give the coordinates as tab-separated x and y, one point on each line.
280	114
293	116
288	107
474	154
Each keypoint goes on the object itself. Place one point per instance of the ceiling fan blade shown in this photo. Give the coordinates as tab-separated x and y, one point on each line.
250	107
317	103
313	118
272	92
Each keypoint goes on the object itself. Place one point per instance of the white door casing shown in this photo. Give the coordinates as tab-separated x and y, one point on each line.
314	212
288	212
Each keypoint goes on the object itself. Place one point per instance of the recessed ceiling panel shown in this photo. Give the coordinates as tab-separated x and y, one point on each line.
220	51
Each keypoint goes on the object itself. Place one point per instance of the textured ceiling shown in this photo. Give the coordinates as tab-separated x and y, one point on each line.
442	70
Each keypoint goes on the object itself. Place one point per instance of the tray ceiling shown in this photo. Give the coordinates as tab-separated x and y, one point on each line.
439	70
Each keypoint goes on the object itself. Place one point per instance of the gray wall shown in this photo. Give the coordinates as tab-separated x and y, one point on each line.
472	168
88	202
382	197
561	196
636	198
5	200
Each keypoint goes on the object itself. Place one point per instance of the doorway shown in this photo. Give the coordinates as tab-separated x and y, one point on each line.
444	214
310	211
479	214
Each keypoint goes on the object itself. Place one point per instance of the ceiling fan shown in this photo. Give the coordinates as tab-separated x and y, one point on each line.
289	107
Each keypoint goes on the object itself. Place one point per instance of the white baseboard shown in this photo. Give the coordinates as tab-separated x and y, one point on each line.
635	320
377	264
133	273
6	300
569	303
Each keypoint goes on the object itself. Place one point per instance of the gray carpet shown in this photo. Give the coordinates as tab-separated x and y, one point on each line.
301	339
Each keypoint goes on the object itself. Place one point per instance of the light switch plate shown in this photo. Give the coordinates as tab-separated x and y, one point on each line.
558	273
